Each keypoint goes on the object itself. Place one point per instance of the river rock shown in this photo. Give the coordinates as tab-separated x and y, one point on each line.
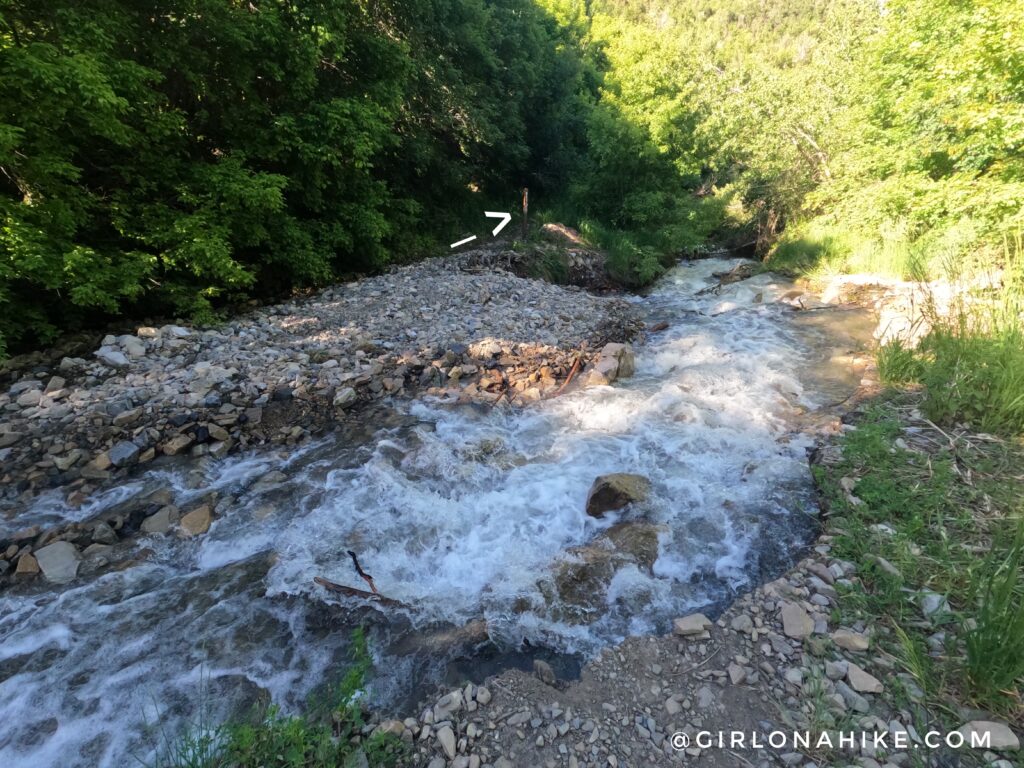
218	433
196	522
615	491
177	444
1000	736
345	397
124	453
694	624
636	541
543	671
27	566
604	372
446	738
115	358
160	522
24	386
850	641
133	346
623	355
616	361
29	398
861	681
796	623
102	533
59	561
581	580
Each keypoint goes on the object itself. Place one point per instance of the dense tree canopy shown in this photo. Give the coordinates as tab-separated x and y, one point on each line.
169	156
182	152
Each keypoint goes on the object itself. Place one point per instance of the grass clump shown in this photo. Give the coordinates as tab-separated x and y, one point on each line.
327	735
898	363
935	512
975	376
995	644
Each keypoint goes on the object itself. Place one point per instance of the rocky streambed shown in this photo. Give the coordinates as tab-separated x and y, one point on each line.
170	502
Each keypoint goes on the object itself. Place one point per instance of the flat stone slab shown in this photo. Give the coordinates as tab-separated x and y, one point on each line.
58	562
694	624
796	622
999	736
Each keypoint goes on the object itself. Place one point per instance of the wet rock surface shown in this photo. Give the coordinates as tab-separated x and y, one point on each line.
615	491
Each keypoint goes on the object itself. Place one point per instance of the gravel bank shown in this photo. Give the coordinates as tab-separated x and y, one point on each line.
283	372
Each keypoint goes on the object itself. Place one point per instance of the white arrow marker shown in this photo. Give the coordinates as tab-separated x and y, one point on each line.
469	239
505	219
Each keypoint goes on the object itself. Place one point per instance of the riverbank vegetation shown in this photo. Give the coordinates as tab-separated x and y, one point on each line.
934	520
329	734
170	158
970	363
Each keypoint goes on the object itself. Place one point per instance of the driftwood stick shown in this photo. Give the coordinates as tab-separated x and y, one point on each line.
363	574
572	372
373	597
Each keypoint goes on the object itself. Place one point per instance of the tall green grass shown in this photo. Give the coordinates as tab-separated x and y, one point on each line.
941	504
971	362
632	261
995	644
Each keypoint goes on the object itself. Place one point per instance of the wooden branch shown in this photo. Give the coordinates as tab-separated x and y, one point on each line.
363	574
572	372
362	594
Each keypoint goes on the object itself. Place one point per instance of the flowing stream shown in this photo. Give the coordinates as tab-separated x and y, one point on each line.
463	514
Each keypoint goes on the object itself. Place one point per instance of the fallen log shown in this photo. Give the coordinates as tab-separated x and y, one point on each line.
361	594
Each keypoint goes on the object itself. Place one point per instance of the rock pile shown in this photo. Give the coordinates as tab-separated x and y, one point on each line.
283	371
62	553
772	661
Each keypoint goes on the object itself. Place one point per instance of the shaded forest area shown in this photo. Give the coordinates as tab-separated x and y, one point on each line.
173	157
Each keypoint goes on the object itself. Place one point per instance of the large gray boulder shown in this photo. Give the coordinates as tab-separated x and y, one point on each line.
616	361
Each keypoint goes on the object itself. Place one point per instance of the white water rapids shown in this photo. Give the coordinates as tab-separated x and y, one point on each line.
458	512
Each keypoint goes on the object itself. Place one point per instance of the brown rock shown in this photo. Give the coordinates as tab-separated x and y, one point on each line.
218	433
615	491
694	624
176	444
850	641
196	522
581	581
27	566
